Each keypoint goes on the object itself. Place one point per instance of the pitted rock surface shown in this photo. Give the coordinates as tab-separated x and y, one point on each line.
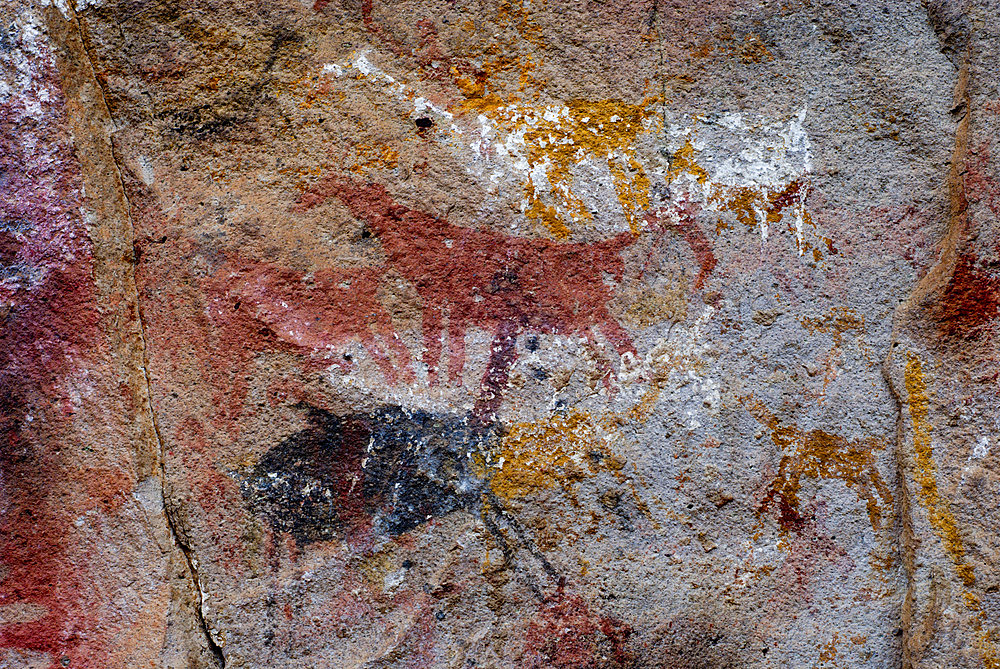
548	333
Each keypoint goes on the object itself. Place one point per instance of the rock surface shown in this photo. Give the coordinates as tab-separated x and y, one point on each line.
644	333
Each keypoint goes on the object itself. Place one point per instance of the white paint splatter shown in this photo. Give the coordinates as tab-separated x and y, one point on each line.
734	150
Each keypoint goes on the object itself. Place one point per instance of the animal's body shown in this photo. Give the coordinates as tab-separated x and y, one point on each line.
480	278
257	306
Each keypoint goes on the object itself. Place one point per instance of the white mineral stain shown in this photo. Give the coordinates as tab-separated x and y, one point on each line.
982	448
732	150
397	90
773	154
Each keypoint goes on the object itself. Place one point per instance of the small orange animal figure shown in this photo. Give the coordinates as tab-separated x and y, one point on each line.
257	307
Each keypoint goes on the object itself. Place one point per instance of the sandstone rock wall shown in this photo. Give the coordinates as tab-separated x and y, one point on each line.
636	333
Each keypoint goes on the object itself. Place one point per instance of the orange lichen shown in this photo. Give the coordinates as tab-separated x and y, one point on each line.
836	322
312	90
550	140
547	454
480	88
374	156
560	450
744	201
558	139
632	188
819	455
682	161
759	206
938	511
753	50
546	215
829	650
514	14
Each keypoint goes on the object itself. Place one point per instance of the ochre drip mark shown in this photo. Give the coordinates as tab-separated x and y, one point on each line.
938	512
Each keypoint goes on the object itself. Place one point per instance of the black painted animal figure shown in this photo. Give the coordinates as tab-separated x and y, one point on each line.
385	473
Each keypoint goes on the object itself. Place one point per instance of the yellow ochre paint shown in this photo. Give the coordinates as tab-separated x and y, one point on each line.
940	515
938	511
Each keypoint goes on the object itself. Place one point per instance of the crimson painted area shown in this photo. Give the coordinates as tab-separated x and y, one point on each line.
47	304
480	278
971	299
687	227
567	634
258	307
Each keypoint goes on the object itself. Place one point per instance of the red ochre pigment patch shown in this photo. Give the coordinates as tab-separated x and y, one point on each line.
257	307
33	553
687	227
971	300
479	278
567	635
45	327
49	333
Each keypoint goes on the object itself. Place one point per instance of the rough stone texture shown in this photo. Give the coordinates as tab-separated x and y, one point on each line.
638	333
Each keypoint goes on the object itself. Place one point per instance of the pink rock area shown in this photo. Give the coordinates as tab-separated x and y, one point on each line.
451	333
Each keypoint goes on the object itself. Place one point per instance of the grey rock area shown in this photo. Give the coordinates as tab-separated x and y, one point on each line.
576	334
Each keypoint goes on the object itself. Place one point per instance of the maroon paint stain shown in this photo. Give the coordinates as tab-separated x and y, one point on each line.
971	299
49	334
979	186
566	634
789	518
793	582
479	278
257	307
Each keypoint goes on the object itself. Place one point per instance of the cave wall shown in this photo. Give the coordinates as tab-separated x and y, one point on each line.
637	333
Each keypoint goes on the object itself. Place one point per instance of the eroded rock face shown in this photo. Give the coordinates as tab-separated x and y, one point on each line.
548	334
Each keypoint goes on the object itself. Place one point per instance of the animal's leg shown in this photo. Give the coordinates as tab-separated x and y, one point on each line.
385	364
493	515
616	334
432	342
602	363
503	353
388	333
456	353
